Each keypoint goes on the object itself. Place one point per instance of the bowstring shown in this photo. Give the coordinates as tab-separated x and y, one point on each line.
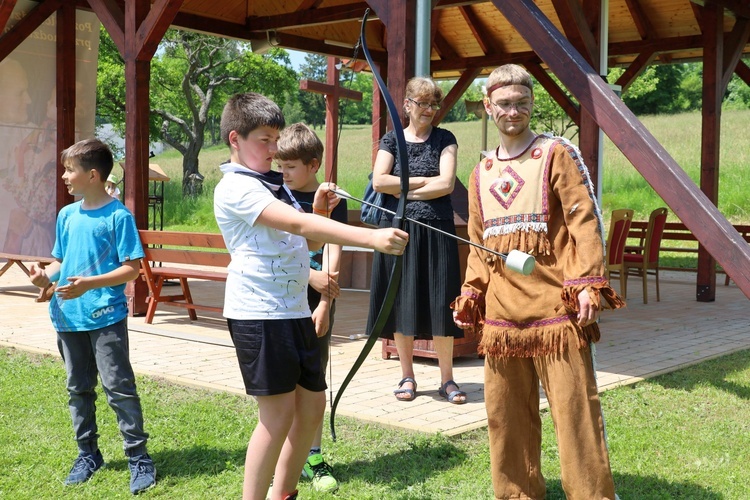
334	158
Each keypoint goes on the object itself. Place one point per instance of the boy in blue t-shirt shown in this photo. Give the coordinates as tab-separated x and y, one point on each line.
299	155
97	250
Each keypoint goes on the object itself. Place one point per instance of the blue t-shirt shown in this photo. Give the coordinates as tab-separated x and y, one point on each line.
91	243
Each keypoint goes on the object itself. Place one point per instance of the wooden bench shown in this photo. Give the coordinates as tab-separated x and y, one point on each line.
44	293
181	256
686	241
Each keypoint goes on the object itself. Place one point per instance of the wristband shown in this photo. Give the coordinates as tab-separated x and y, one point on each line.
324	213
53	277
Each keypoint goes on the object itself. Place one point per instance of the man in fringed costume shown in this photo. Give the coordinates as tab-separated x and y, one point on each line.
533	194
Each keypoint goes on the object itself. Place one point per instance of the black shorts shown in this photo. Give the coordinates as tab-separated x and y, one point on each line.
276	355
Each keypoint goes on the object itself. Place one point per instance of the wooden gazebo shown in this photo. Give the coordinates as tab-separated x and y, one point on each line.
466	39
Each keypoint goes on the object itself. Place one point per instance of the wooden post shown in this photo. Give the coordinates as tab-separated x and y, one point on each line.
713	55
332	91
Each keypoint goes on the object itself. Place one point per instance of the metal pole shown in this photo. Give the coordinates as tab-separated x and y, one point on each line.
422	39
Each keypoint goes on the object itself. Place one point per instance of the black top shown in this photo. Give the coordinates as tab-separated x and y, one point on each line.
339	214
424	161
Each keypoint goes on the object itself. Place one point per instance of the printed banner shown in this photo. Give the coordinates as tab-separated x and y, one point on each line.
28	129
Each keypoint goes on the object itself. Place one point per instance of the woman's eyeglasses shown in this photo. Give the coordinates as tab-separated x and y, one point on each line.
425	105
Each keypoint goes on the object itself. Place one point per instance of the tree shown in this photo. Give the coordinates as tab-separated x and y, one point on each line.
184	77
192	76
313	104
548	116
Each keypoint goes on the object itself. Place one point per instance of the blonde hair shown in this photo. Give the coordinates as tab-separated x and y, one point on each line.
423	87
299	142
509	74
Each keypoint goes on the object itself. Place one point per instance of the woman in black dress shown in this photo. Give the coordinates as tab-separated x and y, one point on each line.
431	271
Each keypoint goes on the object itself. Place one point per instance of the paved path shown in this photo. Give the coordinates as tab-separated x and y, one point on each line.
638	342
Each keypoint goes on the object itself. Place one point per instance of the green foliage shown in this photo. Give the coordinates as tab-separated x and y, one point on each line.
622	185
681	435
313	104
548	116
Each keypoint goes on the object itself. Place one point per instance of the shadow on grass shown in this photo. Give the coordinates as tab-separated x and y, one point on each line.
714	372
402	469
190	462
630	487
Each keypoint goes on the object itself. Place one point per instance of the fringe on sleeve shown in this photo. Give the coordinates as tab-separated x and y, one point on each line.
598	288
470	309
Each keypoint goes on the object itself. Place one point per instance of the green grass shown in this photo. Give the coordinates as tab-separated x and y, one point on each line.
622	185
681	435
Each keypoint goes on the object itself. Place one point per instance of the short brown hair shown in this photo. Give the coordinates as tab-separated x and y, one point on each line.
299	142
243	113
92	154
509	74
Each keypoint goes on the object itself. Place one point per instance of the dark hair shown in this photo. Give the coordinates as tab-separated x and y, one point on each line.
299	142
92	154
243	113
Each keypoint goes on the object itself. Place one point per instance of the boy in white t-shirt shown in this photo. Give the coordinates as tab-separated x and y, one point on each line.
265	304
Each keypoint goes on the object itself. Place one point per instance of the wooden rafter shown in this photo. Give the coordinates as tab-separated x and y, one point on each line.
308	17
640	19
553	89
439	43
649	157
309	4
635	69
320	47
487	43
152	29
734	44
484	61
743	71
659	45
26	26
738	8
6	9
458	90
578	32
112	16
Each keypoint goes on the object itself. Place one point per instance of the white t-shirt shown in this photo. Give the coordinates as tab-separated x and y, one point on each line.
270	269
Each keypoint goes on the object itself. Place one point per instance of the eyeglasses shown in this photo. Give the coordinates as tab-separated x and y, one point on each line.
522	106
425	105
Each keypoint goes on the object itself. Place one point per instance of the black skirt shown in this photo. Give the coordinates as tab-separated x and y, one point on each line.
430	281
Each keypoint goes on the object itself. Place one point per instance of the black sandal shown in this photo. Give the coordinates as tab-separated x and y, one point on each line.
411	393
453	394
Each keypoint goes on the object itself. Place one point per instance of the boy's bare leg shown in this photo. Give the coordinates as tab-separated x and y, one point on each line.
308	417
405	349
275	416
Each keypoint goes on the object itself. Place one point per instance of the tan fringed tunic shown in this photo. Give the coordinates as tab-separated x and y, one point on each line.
542	203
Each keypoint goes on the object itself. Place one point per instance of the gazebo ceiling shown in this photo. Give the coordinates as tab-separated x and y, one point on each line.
466	34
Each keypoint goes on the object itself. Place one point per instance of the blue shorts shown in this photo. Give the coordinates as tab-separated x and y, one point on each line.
276	355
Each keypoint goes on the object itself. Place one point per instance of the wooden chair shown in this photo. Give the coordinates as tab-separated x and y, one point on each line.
640	260
619	226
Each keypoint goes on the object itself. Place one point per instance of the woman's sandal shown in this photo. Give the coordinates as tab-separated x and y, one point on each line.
453	394
410	393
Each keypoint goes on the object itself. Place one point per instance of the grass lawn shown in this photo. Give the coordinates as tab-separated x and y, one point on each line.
683	435
622	185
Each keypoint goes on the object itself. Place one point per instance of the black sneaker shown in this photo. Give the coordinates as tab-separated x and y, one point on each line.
142	473
84	467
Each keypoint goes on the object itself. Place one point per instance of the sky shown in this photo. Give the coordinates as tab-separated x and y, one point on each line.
297	58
